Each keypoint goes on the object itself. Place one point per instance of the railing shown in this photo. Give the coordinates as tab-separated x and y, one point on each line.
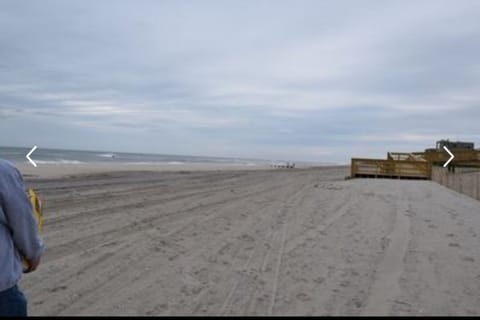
461	155
404	156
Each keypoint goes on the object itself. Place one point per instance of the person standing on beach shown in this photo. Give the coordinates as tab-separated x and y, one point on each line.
18	237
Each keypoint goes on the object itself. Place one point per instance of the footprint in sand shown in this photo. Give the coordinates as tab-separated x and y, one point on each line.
319	280
453	214
303	297
472	232
58	288
157	309
225	248
331	270
246	238
410	213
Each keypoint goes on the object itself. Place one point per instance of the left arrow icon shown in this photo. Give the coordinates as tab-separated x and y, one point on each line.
29	154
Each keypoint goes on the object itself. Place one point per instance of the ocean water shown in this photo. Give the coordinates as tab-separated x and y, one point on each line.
57	156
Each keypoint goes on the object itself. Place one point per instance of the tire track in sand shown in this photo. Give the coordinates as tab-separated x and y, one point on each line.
298	197
142	252
386	285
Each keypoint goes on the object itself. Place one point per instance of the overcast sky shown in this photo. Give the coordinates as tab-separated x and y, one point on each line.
286	80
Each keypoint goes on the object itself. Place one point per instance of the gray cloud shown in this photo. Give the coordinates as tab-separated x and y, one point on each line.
305	79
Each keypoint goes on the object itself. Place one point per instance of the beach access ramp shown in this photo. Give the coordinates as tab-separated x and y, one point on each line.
418	165
389	168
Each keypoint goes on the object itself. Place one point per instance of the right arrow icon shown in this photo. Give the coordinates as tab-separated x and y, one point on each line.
451	156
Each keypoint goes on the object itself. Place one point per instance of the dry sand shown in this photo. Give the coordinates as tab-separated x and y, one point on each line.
265	242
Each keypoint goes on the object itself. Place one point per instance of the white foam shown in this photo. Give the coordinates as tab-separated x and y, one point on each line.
106	155
176	163
56	162
139	163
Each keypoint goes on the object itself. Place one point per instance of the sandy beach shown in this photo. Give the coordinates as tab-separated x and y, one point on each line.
68	170
252	242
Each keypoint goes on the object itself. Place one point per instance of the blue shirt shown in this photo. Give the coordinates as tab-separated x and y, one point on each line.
18	227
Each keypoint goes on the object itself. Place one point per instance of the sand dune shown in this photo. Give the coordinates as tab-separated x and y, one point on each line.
265	242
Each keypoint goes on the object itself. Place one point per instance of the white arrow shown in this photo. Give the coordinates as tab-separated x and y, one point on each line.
29	154
451	156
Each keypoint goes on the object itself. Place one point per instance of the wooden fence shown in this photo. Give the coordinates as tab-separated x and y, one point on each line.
463	180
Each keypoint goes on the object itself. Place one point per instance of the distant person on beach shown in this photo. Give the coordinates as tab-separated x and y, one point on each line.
18	238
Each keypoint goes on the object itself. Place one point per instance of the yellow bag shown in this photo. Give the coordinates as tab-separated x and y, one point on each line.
38	215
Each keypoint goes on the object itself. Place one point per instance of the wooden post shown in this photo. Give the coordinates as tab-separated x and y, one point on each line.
478	185
460	183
